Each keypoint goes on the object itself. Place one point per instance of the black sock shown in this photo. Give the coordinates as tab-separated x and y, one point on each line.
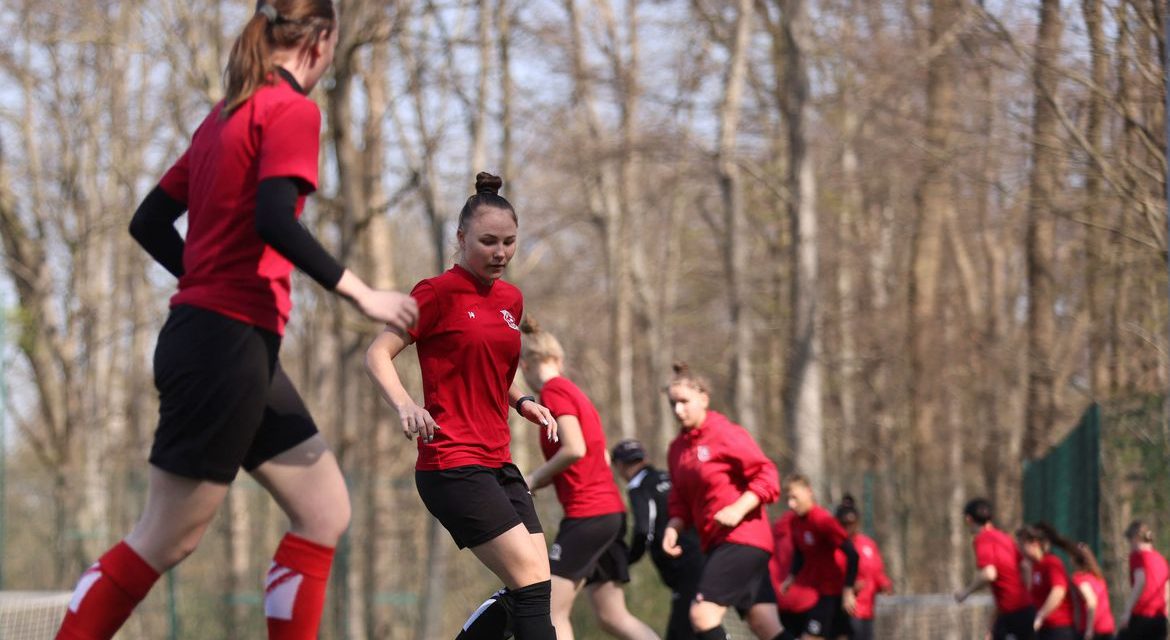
712	634
491	621
531	611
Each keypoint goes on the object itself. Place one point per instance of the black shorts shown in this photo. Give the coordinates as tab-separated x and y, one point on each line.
1144	628
1057	633
732	576
862	628
1016	625
475	504
794	622
224	401
827	619
591	549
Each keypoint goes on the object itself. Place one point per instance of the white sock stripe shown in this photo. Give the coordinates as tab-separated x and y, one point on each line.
280	600
275	574
88	579
479	612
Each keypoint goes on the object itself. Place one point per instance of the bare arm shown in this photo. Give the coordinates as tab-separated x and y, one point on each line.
380	367
982	579
1050	604
1139	585
1090	599
670	537
572	449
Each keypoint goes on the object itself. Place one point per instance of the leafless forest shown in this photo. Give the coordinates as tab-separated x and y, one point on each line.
909	240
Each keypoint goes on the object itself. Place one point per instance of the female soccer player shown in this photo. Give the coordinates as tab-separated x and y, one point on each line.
818	537
1094	613
224	401
999	562
590	548
468	337
1050	596
1146	609
796	601
721	482
871	570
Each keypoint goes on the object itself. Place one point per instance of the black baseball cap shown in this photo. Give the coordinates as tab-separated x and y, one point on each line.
627	451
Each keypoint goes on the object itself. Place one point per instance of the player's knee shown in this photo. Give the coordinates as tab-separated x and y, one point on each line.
704	616
325	526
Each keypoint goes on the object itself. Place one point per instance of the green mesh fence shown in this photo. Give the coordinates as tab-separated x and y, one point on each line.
1064	487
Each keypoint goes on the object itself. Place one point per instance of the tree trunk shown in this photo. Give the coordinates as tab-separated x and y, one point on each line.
803	410
1044	183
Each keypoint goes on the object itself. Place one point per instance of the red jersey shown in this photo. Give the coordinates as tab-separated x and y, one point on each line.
871	574
1048	574
1103	623
818	535
587	487
1152	602
798	598
995	548
711	466
468	337
227	267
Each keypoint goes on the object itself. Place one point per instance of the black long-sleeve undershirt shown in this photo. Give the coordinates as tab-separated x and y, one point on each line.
277	225
153	226
851	561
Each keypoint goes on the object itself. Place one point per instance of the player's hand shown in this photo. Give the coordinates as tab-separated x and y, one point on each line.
729	516
670	542
786	585
397	310
417	421
537	413
1037	623
849	602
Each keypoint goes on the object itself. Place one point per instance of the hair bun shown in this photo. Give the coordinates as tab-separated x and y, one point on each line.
681	368
529	326
488	183
848	501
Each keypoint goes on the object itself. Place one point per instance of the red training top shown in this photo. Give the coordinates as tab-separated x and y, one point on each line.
871	574
468	337
1048	574
586	488
798	598
227	267
818	536
1103	624
711	466
995	548
1152	602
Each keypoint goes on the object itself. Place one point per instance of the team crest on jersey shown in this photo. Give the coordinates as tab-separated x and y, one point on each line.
809	539
510	319
554	552
703	453
867	552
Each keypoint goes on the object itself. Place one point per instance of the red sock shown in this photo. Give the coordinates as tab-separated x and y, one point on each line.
106	594
295	593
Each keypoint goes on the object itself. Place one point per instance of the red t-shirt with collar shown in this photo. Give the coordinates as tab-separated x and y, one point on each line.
587	487
1048	574
818	536
799	598
995	548
468	338
711	466
227	267
1152	602
871	574
1103	624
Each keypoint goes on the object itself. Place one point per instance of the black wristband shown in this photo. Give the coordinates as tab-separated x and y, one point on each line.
521	400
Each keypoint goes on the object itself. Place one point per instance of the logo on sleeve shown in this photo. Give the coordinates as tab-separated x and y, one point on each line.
510	319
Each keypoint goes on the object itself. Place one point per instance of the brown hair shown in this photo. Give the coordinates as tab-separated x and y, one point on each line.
276	24
538	345
487	194
1079	552
1140	530
798	478
684	376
